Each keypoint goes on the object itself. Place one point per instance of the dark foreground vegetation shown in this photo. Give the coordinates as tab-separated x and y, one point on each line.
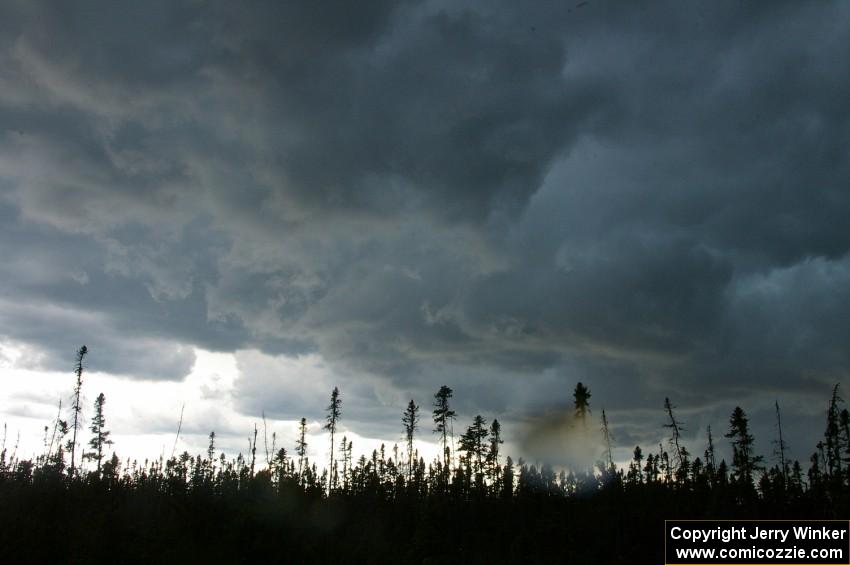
464	507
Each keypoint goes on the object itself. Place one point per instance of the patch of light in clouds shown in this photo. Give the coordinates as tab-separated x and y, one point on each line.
143	415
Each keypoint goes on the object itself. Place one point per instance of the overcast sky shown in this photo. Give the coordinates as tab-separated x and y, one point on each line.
237	207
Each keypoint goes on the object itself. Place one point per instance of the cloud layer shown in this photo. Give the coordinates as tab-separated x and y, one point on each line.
508	199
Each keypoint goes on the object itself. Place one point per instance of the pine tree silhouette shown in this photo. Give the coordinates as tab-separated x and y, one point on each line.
606	437
744	461
100	439
333	411
494	471
710	461
832	437
635	475
410	419
301	447
581	397
443	418
780	446
474	443
76	408
397	508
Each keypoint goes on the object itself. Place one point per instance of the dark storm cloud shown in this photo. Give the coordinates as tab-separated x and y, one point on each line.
651	199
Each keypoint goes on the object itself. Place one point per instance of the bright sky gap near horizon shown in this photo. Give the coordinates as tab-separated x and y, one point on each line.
237	210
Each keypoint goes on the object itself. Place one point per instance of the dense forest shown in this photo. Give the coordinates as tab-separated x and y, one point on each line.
76	503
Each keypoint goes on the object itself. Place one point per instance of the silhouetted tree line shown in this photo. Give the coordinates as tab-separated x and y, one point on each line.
468	503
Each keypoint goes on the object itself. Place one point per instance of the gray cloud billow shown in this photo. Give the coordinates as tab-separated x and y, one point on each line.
651	199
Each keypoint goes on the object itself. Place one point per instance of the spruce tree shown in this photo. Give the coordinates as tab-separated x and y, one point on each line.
496	440
410	419
76	408
474	443
211	447
347	449
581	397
744	462
634	476
832	437
443	417
710	461
507	489
333	411
100	439
606	437
301	447
780	446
